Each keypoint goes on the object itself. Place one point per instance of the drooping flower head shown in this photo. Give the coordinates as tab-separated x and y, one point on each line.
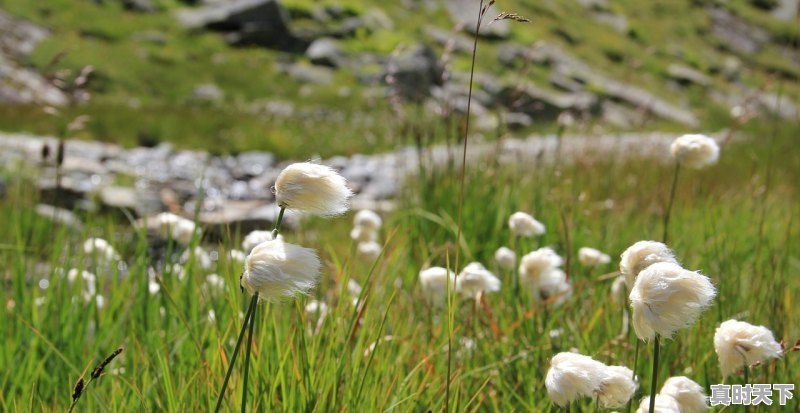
695	151
738	342
474	279
524	225
617	387
664	404
687	393
505	258
367	219
101	249
434	282
276	269
256	237
591	257
312	188
666	297
573	375
642	255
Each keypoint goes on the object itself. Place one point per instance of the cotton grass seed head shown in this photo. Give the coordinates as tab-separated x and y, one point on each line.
738	342
175	227
524	225
276	269
434	282
256	237
617	387
535	264
367	219
666	298
573	375
617	289
505	258
695	151
591	257
687	393
642	255
369	251
474	279
312	188
100	249
553	285
364	234
664	404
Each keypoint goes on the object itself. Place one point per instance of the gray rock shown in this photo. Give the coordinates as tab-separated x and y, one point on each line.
413	72
251	164
246	22
19	37
59	216
787	10
735	33
315	75
686	75
376	19
517	120
465	14
616	21
119	197
542	104
448	39
208	92
326	52
142	6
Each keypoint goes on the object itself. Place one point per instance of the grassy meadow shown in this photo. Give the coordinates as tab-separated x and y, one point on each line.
735	222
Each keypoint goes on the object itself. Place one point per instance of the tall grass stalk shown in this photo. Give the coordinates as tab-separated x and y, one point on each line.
670	202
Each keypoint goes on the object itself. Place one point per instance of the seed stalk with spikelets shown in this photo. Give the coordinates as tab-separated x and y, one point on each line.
81	385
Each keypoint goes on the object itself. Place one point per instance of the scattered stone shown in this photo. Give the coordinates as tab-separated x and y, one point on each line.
208	92
448	39
517	120
735	33
413	72
545	105
326	52
60	216
685	75
315	75
465	14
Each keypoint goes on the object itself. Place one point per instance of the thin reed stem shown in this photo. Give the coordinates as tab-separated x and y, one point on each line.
668	213
654	377
635	365
250	310
248	352
461	192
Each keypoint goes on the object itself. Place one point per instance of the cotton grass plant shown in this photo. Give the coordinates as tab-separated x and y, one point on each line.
276	270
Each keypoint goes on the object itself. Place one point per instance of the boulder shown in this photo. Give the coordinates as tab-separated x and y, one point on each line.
413	72
543	104
325	52
735	33
685	75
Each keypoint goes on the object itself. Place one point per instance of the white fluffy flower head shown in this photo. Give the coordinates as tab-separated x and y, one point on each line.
100	249
666	297
617	387
641	255
573	375
367	219
176	227
591	257
695	151
434	282
312	188
535	264
475	278
738	342
505	258
664	404
553	285
524	225
256	237
369	251
364	234
276	269
687	393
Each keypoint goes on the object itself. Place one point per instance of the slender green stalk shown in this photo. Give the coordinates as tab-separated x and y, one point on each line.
633	376
461	193
671	201
248	352
250	310
654	378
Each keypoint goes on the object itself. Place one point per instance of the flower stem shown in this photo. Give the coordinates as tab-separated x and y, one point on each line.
250	310
278	223
654	378
671	201
635	362
247	353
